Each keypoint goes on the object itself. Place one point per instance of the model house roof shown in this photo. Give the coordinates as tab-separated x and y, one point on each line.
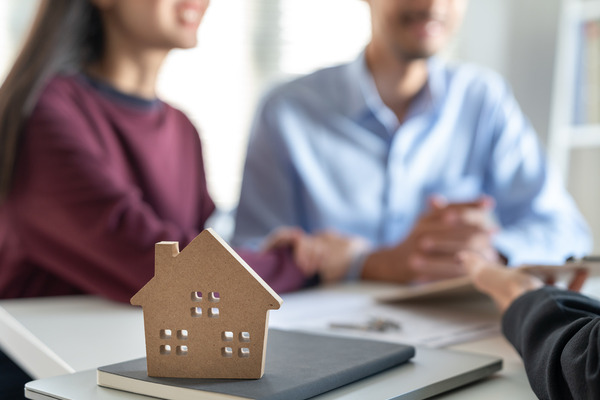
207	260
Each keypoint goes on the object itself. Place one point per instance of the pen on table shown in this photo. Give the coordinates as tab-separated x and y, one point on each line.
374	324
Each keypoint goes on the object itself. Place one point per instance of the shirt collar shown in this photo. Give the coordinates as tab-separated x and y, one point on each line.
359	78
367	101
109	91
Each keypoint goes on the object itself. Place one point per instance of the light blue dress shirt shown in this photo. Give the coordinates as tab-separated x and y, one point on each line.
326	153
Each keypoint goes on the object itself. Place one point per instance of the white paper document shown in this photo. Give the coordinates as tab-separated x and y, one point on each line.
424	323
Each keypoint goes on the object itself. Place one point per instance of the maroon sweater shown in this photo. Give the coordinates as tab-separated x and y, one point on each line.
101	177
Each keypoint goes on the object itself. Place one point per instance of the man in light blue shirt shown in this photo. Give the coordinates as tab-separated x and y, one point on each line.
375	148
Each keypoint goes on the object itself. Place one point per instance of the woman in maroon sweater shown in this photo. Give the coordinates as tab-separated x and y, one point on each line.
95	169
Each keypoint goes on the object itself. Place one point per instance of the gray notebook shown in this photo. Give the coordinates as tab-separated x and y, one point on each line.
298	366
429	373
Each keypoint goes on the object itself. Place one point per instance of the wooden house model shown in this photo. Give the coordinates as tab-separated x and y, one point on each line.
205	312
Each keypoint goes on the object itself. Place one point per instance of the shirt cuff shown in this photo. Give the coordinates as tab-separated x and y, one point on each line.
356	266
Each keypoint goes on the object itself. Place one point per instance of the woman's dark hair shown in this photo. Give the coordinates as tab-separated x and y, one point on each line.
65	35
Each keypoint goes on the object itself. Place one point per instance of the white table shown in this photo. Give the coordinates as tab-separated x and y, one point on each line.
55	336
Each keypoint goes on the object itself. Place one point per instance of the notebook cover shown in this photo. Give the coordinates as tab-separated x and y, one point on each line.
298	366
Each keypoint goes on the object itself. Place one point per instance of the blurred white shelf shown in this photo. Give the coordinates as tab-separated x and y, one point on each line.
588	10
584	135
564	134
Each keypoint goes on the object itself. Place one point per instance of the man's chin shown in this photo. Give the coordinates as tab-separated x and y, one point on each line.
421	51
414	55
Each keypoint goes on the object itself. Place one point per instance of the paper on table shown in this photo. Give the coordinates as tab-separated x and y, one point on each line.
443	289
432	324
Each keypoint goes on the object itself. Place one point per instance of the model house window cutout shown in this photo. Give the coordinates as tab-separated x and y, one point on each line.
165	334
182	350
196	296
226	352
182	334
244	337
244	352
196	312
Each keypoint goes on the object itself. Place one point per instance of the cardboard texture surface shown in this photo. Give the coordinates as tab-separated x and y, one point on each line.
205	312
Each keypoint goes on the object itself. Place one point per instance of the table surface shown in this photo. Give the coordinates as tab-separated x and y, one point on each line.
54	336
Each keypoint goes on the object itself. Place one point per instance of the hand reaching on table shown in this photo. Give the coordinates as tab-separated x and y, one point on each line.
503	284
327	253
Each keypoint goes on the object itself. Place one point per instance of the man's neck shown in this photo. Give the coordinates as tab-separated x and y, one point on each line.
398	81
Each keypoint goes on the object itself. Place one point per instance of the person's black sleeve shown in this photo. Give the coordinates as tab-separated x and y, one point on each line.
557	333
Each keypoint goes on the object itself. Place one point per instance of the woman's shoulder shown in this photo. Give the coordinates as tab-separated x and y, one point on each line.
62	91
75	99
63	83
